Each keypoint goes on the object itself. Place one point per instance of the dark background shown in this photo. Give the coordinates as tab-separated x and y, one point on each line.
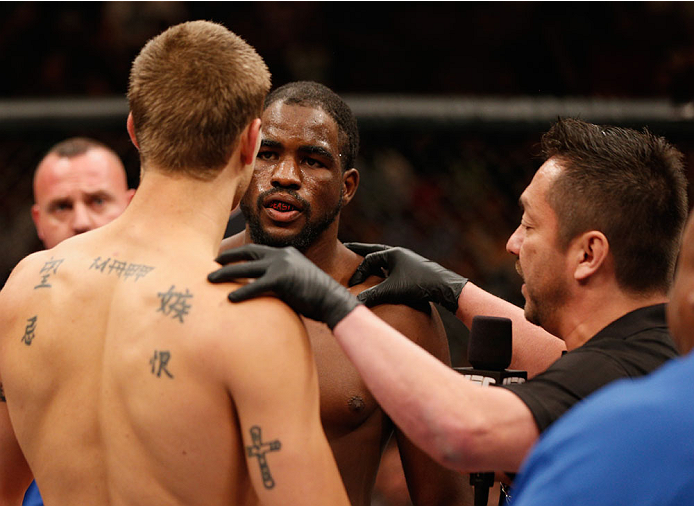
586	48
444	186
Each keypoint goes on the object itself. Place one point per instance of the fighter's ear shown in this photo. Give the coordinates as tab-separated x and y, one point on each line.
131	130
36	216
350	182
129	195
250	142
590	251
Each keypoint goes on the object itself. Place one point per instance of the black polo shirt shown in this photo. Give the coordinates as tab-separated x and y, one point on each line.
632	346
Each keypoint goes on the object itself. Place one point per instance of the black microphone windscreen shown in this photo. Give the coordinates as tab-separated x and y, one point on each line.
489	344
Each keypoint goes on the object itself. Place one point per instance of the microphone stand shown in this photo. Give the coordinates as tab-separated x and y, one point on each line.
481	483
489	353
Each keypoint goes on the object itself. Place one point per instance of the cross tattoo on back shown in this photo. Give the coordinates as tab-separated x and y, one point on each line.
259	449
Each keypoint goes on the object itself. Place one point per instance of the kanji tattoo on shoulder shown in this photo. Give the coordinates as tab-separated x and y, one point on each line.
259	449
49	268
175	303
124	270
30	330
2	394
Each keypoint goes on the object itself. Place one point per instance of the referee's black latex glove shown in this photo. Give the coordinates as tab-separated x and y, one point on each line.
290	276
410	278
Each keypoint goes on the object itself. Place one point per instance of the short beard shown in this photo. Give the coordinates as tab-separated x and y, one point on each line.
532	315
303	239
543	310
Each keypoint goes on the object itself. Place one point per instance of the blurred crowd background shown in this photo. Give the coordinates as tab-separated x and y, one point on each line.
445	187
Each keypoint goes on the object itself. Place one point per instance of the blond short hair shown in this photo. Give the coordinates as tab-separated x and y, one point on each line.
193	89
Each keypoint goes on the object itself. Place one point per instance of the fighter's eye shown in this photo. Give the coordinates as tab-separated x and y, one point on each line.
312	162
266	155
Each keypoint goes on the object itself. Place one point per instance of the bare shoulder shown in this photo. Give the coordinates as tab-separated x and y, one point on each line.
262	323
258	343
422	325
253	314
23	277
25	265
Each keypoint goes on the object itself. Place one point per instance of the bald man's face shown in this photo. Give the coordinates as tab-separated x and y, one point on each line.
78	194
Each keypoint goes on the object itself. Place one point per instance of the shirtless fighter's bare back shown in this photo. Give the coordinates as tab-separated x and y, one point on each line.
130	380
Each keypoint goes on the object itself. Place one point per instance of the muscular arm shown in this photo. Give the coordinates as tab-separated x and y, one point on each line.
15	475
461	425
427	481
534	349
275	390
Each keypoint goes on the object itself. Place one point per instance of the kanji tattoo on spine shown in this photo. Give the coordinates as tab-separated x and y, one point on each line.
159	362
259	449
175	303
121	269
29	331
50	267
2	394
